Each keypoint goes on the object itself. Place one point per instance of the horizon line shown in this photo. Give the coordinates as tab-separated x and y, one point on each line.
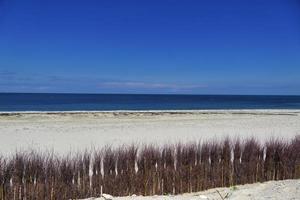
167	94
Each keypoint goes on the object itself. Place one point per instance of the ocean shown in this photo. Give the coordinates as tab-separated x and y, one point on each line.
109	102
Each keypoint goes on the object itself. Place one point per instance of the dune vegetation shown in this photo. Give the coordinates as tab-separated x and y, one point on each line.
148	169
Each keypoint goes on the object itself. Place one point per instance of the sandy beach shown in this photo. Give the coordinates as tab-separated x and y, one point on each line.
65	132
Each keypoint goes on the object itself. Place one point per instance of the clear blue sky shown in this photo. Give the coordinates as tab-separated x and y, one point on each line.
190	47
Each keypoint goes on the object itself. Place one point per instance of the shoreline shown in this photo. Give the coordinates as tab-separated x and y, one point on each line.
192	111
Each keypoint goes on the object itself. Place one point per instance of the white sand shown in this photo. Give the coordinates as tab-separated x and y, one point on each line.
71	131
275	190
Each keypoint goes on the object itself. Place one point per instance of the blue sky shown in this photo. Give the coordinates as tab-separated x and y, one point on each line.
181	47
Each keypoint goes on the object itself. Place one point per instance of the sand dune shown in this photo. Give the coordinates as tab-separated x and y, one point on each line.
275	190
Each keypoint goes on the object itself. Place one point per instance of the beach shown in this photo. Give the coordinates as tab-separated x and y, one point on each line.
65	132
80	142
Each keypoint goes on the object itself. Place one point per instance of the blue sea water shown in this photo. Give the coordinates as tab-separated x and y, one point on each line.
106	102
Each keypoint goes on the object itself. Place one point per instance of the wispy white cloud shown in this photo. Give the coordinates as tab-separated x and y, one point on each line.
7	75
146	85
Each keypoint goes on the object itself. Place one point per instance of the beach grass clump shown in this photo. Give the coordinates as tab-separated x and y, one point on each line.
250	159
204	166
149	173
148	169
226	164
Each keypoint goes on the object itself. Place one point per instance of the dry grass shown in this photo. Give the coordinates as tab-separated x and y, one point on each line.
148	169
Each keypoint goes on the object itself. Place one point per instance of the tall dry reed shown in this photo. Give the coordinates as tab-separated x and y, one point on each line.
148	169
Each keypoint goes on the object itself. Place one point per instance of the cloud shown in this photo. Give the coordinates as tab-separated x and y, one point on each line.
7	75
146	85
14	77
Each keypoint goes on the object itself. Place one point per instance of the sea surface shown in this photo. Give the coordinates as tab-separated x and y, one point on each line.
109	102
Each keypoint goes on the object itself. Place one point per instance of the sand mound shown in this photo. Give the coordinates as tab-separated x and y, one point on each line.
275	190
